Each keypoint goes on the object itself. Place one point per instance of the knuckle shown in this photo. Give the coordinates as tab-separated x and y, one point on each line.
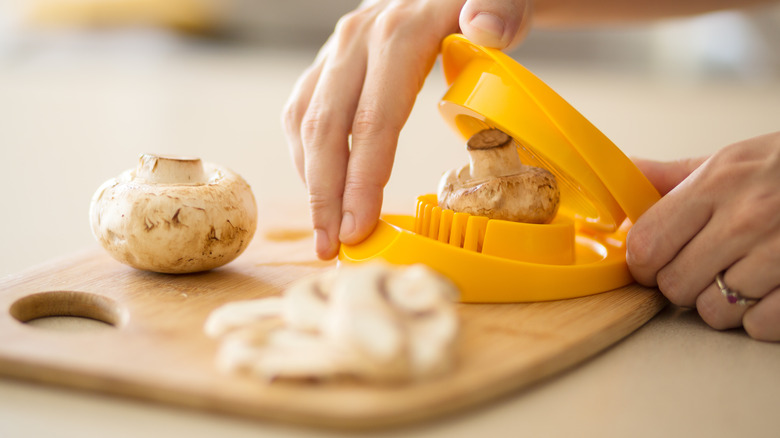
728	154
368	122
713	177
772	161
745	221
761	321
321	202
351	23
760	328
354	22
639	244
672	289
713	314
720	171
349	28
292	114
363	184
768	252
394	19
759	206
641	255
314	123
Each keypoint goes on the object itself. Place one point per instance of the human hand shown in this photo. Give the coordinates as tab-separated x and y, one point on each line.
719	215
363	83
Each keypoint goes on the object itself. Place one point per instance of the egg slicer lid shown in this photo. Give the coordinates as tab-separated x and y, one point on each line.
600	188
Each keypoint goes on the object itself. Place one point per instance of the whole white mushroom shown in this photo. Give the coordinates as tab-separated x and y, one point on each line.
174	215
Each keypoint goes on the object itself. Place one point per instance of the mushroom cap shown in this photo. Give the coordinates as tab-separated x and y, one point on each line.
530	196
174	228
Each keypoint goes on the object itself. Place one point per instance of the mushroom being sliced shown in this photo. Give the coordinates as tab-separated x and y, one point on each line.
174	215
496	184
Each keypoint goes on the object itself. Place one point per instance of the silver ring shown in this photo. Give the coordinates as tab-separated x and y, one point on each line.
731	295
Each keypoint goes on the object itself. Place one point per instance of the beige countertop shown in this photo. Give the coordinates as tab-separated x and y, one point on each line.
69	122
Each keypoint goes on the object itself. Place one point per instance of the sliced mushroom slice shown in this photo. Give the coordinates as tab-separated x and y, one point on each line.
239	314
299	355
361	320
241	347
305	305
417	289
432	338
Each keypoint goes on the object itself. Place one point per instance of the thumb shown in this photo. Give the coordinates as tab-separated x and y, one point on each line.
499	24
667	175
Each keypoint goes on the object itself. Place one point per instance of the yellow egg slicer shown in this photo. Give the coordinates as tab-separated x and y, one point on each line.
581	252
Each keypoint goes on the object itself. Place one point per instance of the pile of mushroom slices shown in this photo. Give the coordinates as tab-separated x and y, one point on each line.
371	322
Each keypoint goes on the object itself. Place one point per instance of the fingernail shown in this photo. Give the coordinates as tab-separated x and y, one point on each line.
347	226
489	24
321	241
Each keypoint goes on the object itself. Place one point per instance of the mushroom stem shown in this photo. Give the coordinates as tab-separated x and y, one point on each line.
157	169
492	154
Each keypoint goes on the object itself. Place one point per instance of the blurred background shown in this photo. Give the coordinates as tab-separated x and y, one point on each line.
88	85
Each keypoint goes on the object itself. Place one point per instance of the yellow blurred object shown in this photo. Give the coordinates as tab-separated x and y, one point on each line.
581	253
183	15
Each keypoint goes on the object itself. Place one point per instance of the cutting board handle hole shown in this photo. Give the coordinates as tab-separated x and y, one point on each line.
66	306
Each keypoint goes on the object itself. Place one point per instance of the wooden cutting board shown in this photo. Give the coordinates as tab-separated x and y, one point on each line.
157	350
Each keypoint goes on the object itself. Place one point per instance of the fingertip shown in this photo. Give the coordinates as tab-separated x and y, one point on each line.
639	256
324	245
354	231
347	226
499	25
665	176
487	30
716	311
761	322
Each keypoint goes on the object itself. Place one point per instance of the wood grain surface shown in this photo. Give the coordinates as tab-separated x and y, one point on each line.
157	351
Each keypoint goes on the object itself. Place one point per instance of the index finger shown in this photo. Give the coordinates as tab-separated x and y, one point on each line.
397	67
324	136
